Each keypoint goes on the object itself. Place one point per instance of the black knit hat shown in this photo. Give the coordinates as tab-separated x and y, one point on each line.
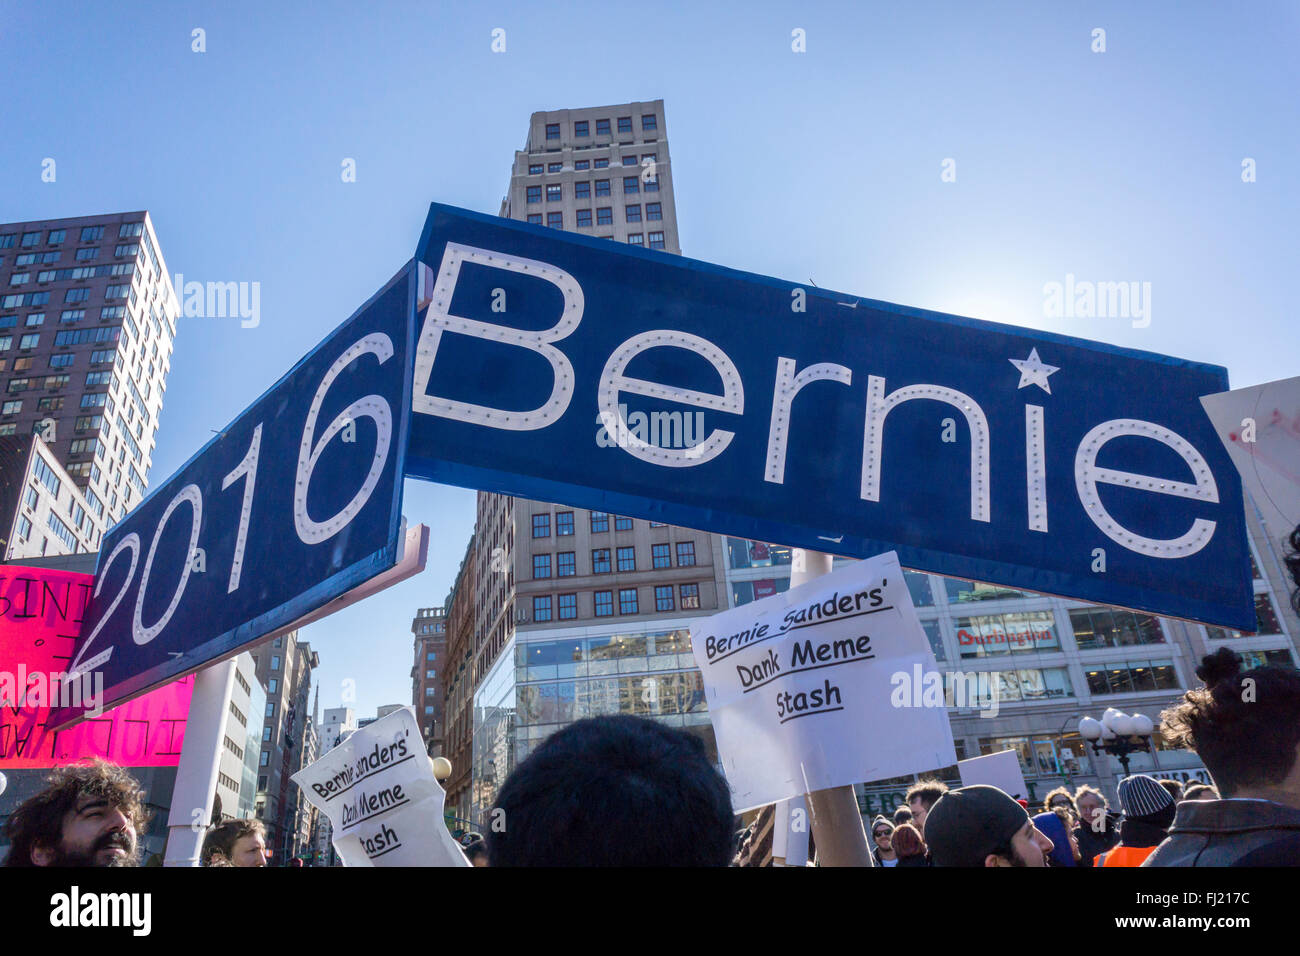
966	825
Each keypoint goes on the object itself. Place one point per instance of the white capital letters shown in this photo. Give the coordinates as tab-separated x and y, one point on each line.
438	290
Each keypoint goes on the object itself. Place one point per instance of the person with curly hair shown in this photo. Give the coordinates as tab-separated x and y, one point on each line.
1245	726
87	815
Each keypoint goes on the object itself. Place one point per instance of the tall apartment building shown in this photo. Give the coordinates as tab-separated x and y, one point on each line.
237	771
338	725
459	678
284	667
582	612
430	630
87	325
42	510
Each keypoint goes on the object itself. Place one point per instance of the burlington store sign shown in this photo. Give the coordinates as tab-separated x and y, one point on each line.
998	635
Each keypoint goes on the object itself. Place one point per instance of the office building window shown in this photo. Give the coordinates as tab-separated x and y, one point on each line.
76	295
1127	677
600	561
582	164
535	218
270	709
635	239
622	523
563	523
599	521
656	240
535	170
627	559
1103	627
428	708
625	124
660	556
627	603
602	127
30	340
266	733
690	597
568	607
554	192
31	239
664	597
552	130
685	554
56	236
566	565
584	218
92	233
604	603
541	566
272	686
654	210
631	185
601	164
554	167
275	662
542	608
649	122
633	213
534	193
602	187
541	526
581	128
629	160
582	190
605	216
555	220
265	759
430	691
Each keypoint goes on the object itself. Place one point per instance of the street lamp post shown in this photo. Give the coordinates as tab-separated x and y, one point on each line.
1118	734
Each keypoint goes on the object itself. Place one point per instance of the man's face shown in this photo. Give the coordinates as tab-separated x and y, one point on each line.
1030	846
249	850
1089	807
884	838
919	810
95	833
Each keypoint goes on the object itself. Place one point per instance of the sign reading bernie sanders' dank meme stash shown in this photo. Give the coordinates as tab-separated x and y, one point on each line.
801	686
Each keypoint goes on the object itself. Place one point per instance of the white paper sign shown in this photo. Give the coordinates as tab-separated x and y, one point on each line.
1001	770
379	792
1260	427
804	687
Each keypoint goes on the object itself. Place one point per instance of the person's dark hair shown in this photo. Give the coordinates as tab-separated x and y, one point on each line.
1292	562
902	815
1053	794
38	821
614	791
223	837
474	846
907	841
928	791
1244	726
1175	788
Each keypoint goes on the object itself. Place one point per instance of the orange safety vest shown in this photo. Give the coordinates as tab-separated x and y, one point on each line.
1123	856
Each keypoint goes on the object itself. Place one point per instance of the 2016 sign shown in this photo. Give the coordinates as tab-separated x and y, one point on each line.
976	450
296	501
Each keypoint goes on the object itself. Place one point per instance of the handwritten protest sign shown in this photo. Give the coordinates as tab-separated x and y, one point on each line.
1260	427
381	797
40	620
802	686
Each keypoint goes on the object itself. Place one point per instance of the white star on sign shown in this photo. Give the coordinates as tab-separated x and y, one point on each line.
1034	372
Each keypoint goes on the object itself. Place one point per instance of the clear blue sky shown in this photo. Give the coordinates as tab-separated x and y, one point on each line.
1115	166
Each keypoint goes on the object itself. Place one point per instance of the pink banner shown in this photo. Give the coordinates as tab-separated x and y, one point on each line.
40	620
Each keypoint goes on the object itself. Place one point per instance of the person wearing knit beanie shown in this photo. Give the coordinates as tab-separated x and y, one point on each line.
882	842
1148	813
982	826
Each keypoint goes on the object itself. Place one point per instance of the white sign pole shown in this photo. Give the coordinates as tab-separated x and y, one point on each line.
836	820
196	774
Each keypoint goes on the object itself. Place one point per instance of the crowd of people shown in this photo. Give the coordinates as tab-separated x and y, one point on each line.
630	791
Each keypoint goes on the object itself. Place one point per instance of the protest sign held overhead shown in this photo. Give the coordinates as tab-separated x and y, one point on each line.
802	686
382	799
1260	427
685	392
1001	770
295	502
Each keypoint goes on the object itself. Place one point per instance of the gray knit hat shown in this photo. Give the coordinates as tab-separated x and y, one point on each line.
1142	796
